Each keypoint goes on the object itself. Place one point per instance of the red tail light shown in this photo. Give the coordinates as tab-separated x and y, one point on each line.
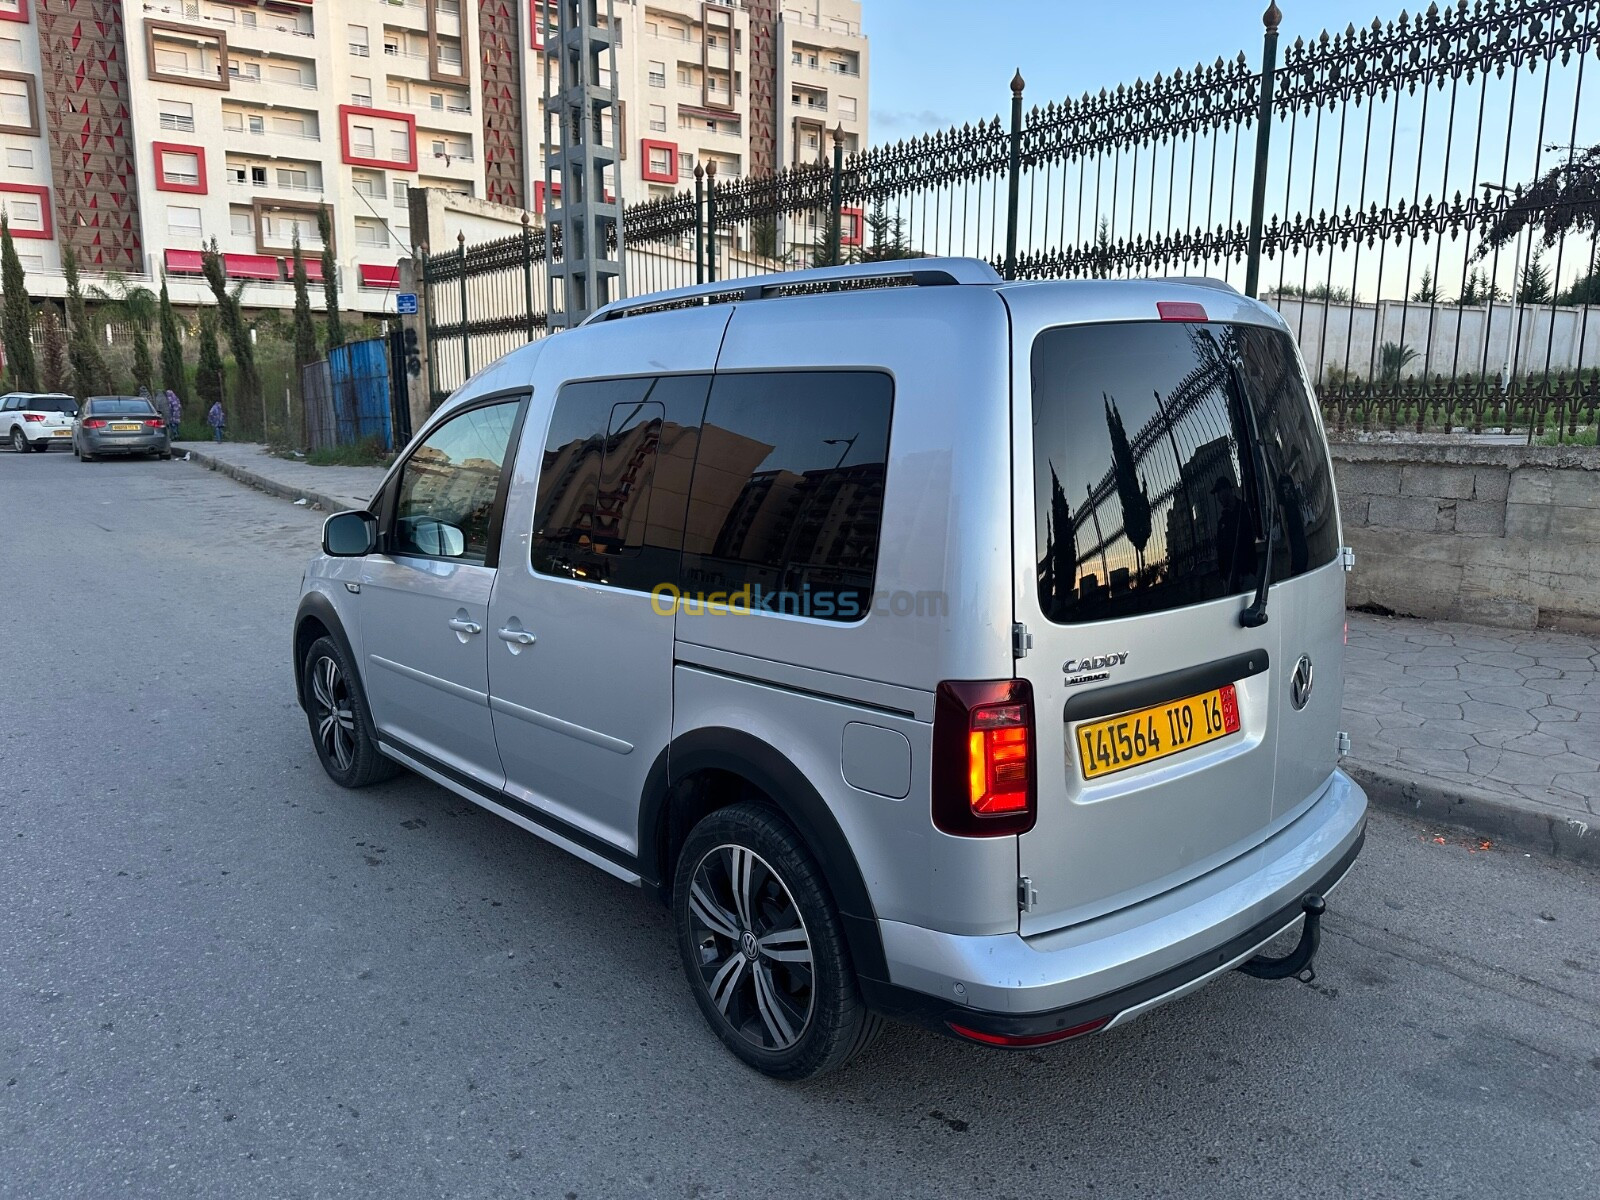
984	758
33	416
1180	310
153	422
94	423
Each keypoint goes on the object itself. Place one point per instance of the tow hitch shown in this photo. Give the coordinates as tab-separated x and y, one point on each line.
1297	962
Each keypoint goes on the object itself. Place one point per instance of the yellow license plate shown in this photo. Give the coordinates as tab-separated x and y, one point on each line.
126	428
63	433
1117	743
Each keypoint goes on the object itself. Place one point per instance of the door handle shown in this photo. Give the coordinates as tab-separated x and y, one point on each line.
520	637
462	626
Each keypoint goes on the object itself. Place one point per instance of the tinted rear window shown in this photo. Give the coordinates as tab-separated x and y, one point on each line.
49	404
1145	486
121	406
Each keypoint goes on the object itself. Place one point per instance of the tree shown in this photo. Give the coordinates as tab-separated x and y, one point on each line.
305	329
1479	289
16	328
89	373
230	319
1427	290
826	248
1534	287
330	279
172	374
1131	492
137	308
764	237
1393	358
54	370
210	378
1585	290
1565	199
1101	255
886	236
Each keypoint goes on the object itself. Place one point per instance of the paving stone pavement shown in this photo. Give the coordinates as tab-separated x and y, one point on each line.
1497	730
1511	712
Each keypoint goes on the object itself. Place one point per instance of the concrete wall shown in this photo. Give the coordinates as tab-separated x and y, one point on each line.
1498	534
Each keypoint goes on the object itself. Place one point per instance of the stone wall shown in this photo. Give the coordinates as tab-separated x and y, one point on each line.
1497	534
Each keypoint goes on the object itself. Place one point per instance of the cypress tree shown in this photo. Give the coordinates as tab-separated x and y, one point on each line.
54	370
210	379
230	316
83	349
305	329
15	325
330	280
172	375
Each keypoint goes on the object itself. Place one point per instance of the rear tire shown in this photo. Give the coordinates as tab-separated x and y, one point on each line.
762	947
85	456
19	441
336	709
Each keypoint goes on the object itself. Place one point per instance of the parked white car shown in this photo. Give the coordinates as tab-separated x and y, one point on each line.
33	420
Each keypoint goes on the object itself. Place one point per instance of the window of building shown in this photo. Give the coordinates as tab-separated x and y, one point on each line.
176	114
599	515
658	74
787	493
651	28
399	145
391	47
294	177
258	176
172	60
23	211
438	149
244	70
660	160
369	232
712	85
811	61
396	94
183	220
357	38
291	125
402	192
292	75
686	165
658	118
16	104
361	90
363	141
257	123
685	79
11	51
436	101
711	41
368	183
247	18
797	58
847	107
19	158
233	120
180	168
448	485
241	221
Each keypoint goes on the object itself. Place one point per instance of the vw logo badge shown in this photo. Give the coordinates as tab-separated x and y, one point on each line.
1300	683
747	943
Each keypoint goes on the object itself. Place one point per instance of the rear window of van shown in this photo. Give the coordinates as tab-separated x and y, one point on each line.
1148	490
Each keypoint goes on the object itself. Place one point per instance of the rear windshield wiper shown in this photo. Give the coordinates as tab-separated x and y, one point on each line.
1256	615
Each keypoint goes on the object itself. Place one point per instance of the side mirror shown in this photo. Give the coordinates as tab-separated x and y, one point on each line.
350	534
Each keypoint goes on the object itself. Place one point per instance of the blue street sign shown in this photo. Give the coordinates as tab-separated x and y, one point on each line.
405	303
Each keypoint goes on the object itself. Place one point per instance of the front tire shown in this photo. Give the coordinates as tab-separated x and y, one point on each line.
762	946
337	711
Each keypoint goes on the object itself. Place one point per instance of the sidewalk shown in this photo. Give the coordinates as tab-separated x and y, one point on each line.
1493	730
329	488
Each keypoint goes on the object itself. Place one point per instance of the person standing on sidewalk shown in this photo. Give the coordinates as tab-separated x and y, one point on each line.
217	420
174	415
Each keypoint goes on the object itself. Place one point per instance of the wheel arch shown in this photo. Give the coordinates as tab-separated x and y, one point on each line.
701	771
315	618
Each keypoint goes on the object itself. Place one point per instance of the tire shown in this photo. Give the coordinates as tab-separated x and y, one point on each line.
788	1005
19	440
336	710
85	456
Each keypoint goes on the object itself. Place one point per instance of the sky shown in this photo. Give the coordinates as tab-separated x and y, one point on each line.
936	63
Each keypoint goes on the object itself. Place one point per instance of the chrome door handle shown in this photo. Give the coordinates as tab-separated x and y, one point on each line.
520	637
461	626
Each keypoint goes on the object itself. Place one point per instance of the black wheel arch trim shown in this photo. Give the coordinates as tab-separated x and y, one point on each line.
747	756
314	605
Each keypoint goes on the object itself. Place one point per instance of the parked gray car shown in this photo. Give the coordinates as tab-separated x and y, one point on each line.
119	425
937	648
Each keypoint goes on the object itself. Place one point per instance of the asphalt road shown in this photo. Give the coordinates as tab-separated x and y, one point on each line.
221	975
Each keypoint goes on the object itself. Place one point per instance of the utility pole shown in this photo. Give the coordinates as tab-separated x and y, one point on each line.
583	216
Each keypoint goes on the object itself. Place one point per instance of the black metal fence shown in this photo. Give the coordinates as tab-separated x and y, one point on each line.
1416	197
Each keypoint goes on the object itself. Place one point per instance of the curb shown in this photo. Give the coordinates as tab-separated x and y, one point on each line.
272	487
1521	823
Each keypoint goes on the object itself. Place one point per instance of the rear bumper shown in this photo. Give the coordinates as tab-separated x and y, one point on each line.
1125	962
127	444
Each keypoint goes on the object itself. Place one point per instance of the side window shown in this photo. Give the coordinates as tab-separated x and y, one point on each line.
614	480
445	498
787	496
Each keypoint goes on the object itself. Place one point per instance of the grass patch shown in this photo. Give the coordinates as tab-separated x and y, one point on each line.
1584	437
368	452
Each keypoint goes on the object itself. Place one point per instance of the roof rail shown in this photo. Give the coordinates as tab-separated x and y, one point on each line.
905	272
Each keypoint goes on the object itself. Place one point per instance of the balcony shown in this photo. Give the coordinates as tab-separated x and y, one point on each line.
177	123
272	185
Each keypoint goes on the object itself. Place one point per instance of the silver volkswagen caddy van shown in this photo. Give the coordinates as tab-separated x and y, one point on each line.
937	648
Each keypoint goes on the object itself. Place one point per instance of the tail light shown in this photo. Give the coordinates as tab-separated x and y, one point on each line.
1180	310
154	422
94	423
984	758
33	416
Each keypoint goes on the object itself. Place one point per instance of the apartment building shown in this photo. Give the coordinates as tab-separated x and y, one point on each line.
139	131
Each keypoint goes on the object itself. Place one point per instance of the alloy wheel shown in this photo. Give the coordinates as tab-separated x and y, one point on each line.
19	443
753	949
335	715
